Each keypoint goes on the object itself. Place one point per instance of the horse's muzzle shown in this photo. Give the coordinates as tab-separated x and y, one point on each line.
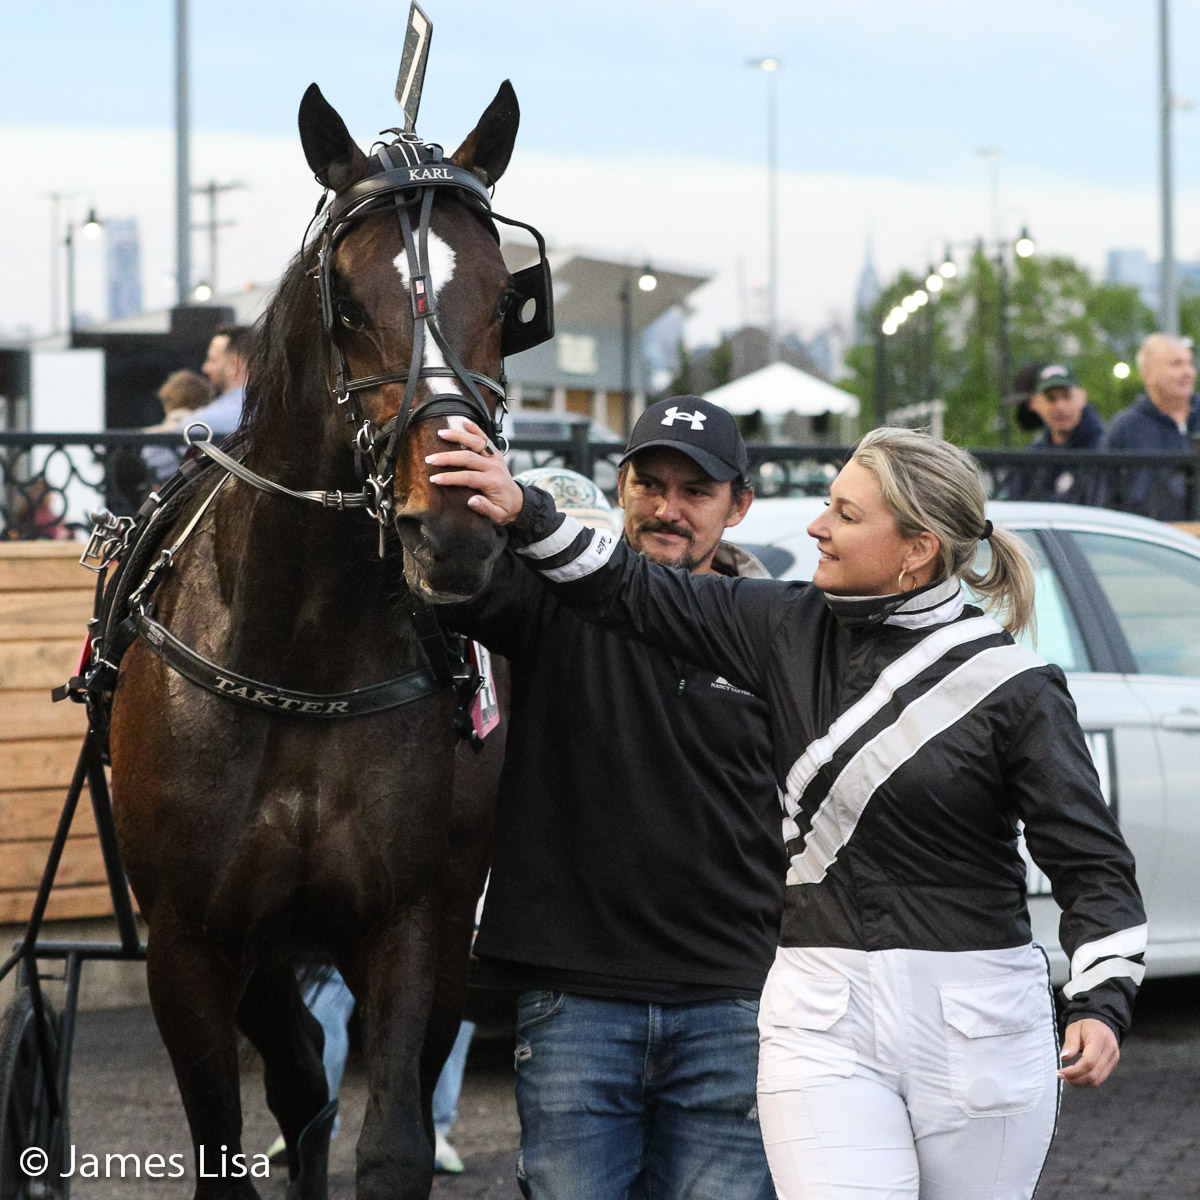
448	560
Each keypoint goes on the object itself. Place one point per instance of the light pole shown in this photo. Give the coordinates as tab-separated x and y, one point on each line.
56	240
647	281
212	189
771	67
91	231
1168	307
183	186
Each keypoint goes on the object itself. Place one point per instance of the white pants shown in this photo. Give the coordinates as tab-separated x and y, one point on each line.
906	1074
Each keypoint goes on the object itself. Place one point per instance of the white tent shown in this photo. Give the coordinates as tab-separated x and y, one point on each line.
780	389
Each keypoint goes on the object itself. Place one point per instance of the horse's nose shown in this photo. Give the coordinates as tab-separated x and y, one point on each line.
442	540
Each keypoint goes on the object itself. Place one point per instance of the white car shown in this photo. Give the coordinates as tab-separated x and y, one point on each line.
1118	609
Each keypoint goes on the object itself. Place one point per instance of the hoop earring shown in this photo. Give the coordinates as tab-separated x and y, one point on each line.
900	581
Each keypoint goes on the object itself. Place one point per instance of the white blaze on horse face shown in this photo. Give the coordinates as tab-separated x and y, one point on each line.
441	271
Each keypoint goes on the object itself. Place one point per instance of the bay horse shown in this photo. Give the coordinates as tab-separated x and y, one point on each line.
256	838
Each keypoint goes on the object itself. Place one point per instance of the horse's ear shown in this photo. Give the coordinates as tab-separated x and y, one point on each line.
489	145
335	159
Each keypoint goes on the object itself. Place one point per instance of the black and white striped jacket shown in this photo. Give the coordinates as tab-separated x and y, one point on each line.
911	735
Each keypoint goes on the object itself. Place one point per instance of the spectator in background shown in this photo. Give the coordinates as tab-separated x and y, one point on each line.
1165	417
182	393
226	366
1025	383
1068	423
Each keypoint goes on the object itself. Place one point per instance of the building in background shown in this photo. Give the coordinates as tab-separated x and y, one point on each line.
1135	268
580	371
124	255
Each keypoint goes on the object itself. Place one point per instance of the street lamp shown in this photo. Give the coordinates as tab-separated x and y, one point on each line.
771	66
647	281
202	292
91	229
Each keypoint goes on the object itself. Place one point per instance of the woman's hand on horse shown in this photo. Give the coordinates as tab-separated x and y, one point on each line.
498	496
1095	1050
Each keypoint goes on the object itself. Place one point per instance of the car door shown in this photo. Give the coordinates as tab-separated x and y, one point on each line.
1075	633
1153	588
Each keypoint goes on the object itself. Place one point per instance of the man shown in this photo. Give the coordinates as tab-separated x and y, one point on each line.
637	872
1069	423
226	365
1166	417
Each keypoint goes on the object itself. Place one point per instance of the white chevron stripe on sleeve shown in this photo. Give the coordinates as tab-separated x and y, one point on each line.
925	717
557	542
1110	968
1125	943
905	669
594	556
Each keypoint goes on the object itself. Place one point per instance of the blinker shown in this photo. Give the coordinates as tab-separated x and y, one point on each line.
525	326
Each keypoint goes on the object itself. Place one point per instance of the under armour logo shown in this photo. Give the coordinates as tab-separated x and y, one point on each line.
674	414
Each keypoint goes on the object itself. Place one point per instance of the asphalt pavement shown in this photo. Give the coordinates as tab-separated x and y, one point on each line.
1138	1136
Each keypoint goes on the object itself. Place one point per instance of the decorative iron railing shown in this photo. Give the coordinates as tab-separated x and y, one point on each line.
51	482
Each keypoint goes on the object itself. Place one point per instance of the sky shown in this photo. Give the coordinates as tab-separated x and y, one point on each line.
643	132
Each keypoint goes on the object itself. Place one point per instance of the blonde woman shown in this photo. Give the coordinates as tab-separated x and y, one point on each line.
908	1038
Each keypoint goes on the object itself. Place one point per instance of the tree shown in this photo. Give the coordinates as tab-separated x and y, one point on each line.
950	347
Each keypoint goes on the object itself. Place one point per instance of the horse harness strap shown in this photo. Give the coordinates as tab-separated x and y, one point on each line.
361	702
122	615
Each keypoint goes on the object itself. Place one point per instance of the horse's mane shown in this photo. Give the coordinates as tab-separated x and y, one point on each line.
281	372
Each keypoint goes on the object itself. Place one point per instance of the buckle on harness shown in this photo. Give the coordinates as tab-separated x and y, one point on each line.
107	541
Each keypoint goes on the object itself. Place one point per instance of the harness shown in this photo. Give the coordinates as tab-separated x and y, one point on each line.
405	177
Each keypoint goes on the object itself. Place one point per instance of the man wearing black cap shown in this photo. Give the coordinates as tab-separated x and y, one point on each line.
1068	423
637	872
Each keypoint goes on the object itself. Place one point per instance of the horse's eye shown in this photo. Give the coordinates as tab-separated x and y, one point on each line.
505	304
350	316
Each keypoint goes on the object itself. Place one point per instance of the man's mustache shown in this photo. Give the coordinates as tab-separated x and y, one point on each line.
656	526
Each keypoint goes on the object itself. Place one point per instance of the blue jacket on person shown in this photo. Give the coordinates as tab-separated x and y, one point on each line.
1150	491
1058	479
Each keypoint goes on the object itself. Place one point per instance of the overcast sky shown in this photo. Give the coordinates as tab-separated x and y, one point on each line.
643	130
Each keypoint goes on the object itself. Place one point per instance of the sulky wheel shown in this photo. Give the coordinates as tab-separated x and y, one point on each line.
26	1124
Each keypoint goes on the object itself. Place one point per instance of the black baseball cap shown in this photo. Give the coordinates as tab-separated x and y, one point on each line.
705	432
1056	375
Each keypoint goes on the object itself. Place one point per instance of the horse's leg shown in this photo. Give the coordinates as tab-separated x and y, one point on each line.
272	1014
194	994
392	977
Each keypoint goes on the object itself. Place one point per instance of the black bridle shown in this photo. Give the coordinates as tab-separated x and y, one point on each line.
405	187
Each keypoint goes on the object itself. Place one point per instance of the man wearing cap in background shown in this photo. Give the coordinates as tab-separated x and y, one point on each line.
637	869
1068	423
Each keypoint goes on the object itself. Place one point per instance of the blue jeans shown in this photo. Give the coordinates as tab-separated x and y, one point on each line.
625	1101
332	1003
449	1084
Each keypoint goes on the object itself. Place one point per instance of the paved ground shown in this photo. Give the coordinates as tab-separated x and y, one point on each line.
1139	1136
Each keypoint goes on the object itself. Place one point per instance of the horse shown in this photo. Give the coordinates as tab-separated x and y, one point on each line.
254	834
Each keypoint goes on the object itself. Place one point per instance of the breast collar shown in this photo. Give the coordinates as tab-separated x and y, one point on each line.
933	604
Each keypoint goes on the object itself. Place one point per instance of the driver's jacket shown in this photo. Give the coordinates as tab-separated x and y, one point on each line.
911	737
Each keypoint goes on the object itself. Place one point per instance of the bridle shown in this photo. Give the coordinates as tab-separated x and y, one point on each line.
404	187
405	177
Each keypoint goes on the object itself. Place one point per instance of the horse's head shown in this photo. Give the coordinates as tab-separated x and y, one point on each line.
415	295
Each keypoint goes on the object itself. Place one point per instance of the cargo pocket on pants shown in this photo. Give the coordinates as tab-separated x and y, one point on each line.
1000	1042
798	1038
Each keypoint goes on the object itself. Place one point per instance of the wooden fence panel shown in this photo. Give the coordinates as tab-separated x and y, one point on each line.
45	601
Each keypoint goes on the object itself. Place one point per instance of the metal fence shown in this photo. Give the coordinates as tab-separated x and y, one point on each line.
50	483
